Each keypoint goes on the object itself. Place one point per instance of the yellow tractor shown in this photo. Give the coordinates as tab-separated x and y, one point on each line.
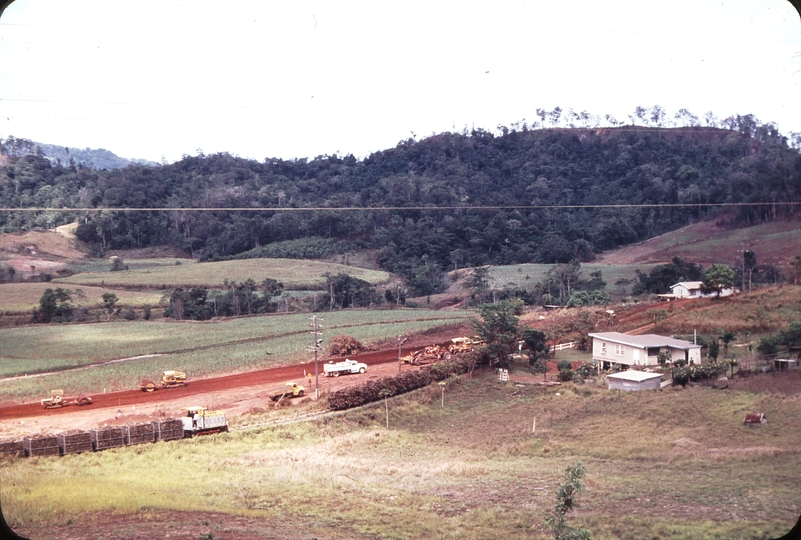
291	390
58	400
169	379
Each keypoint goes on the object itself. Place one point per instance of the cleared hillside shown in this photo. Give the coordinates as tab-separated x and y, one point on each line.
774	242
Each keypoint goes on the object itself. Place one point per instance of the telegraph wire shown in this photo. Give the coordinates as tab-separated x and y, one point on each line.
396	208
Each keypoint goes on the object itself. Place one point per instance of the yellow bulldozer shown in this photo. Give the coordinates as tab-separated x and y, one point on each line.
460	345
169	379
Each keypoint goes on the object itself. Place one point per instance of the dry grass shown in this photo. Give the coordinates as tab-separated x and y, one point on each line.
775	242
23	297
293	273
672	464
757	313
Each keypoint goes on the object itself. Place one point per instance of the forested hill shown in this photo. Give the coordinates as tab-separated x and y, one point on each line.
99	158
689	166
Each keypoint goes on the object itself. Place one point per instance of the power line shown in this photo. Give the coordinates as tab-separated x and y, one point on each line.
397	208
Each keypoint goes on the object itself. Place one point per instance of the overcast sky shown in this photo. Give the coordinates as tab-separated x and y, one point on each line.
160	79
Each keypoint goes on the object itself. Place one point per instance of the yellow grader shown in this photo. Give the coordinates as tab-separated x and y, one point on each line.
169	379
57	400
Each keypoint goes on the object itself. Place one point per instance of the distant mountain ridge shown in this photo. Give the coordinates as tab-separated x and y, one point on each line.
98	159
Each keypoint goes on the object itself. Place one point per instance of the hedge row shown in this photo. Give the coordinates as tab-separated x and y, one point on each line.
398	384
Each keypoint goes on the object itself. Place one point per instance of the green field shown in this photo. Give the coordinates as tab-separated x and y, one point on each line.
23	297
293	273
673	465
104	265
198	348
526	276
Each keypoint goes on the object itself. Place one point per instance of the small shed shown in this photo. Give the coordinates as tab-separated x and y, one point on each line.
755	419
632	381
781	364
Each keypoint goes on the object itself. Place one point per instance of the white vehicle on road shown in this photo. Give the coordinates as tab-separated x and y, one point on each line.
348	366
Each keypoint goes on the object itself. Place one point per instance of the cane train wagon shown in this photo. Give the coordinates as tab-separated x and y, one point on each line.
198	420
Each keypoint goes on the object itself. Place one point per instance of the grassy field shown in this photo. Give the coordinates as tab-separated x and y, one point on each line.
293	273
673	464
23	297
200	349
104	265
752	315
525	276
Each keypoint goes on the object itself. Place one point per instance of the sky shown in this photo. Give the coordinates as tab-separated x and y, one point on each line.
260	79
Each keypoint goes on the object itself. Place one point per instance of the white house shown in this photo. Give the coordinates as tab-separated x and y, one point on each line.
692	289
618	348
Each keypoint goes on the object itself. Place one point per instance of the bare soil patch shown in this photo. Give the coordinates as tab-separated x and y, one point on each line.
38	252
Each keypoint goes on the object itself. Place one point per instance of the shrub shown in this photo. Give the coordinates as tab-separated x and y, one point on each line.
565	375
398	384
585	370
564	365
345	346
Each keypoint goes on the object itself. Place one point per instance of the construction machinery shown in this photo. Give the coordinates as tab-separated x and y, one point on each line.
461	345
428	355
201	421
169	379
57	400
291	390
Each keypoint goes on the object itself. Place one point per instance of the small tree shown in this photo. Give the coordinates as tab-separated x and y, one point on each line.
54	305
716	278
499	330
714	350
536	345
109	301
565	502
385	393
118	265
727	338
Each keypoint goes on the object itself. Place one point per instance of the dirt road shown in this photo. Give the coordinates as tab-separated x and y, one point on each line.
234	394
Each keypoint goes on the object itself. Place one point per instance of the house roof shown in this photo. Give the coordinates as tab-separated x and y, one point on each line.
645	341
689	285
634	376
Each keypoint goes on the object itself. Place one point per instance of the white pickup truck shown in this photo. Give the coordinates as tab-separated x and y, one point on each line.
348	366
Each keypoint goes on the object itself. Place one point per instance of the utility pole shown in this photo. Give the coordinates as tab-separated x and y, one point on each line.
401	341
743	250
316	345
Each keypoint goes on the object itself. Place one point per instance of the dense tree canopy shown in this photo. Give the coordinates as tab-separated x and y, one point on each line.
415	204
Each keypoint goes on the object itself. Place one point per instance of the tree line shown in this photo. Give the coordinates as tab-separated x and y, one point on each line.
650	179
